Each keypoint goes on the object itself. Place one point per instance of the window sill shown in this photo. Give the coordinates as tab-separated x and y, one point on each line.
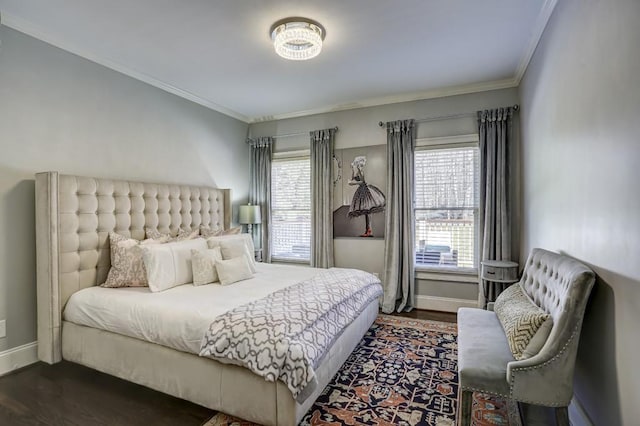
454	275
306	262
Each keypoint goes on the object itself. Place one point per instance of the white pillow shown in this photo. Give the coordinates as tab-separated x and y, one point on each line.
203	264
229	246
233	249
169	265
233	270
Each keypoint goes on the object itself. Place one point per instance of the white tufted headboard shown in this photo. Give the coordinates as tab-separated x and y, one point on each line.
74	216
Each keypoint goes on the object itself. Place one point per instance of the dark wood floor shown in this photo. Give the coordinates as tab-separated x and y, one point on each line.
69	394
430	315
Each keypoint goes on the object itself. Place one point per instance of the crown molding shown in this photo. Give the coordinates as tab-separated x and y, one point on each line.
29	29
407	97
541	24
546	11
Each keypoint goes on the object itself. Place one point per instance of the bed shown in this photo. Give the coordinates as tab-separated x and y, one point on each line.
73	218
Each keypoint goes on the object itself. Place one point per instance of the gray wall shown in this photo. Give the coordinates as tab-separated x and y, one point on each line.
61	112
581	169
359	127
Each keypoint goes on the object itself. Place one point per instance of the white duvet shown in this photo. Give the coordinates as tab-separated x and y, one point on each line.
178	317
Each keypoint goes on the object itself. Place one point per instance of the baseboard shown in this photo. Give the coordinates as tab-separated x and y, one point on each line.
443	304
18	357
577	414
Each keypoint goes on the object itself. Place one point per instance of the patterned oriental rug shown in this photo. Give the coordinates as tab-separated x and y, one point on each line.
403	372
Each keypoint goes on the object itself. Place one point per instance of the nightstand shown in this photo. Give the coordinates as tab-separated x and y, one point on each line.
503	272
500	271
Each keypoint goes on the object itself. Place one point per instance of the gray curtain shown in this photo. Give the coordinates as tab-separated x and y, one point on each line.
399	275
260	191
322	198
495	128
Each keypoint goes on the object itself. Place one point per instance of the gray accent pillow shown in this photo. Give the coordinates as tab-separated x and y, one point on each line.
525	324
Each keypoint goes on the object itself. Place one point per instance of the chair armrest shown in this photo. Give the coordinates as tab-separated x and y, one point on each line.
546	378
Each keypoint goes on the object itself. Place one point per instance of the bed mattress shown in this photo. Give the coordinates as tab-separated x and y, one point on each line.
178	317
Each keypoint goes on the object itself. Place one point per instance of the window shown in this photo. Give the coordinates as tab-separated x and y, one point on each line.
291	209
446	210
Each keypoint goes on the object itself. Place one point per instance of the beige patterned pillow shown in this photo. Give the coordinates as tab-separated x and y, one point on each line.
203	263
154	234
207	232
231	231
183	234
187	234
522	320
127	268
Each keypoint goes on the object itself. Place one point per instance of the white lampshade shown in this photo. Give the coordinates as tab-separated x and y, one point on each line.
249	214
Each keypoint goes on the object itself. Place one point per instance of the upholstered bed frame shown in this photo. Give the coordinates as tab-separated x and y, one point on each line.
73	218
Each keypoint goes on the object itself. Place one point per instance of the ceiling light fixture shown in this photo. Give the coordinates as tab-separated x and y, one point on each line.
297	39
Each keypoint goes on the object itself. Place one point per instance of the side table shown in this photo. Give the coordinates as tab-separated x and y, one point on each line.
498	271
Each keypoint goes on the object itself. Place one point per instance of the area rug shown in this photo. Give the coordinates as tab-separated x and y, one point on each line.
403	372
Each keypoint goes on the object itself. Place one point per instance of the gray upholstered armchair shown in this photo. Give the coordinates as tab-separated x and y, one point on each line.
561	287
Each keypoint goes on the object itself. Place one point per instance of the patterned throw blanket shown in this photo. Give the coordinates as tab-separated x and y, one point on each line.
285	334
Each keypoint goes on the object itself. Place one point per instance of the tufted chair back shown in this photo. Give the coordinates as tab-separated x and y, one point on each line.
561	286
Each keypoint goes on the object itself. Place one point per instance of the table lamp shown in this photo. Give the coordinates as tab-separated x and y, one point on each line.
249	215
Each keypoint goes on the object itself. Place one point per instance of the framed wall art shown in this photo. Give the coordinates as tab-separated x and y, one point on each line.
360	179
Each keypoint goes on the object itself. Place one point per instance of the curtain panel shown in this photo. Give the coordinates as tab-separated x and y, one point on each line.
260	191
399	274
495	129
321	149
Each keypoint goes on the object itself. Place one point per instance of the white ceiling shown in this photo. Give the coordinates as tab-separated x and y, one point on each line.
218	52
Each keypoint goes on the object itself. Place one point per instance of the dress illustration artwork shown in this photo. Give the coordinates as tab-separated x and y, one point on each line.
368	199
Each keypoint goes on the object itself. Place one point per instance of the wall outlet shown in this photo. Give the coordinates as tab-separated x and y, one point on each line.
3	328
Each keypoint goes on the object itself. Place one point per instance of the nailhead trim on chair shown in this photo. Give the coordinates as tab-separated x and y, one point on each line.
549	361
484	391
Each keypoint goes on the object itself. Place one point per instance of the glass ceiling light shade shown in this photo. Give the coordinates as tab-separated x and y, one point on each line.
297	39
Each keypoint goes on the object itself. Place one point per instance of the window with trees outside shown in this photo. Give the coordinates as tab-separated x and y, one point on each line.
291	209
446	207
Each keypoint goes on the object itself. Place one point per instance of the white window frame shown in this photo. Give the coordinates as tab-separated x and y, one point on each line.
444	273
284	156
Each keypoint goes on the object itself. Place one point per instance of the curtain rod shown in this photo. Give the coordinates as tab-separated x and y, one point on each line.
288	135
516	107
